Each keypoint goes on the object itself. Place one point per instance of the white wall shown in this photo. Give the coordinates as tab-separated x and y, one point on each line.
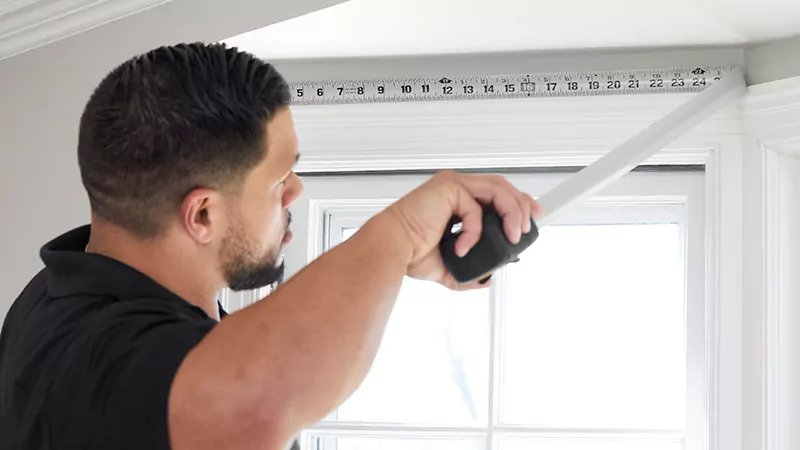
42	94
774	61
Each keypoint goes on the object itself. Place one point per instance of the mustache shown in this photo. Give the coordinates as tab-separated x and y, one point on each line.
288	220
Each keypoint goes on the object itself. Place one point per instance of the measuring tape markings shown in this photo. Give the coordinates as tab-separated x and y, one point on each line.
564	84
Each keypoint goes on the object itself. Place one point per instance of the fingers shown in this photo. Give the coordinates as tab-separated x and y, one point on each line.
536	209
491	190
471	214
524	203
515	207
465	194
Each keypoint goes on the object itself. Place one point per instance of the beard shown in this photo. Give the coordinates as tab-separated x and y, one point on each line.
244	265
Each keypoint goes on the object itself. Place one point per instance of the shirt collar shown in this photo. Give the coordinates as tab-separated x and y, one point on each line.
73	271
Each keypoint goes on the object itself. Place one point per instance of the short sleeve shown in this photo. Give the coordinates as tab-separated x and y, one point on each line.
117	376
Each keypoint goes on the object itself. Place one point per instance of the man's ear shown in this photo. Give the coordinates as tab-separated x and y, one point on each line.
202	214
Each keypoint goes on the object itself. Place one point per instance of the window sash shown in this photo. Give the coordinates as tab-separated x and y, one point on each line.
637	198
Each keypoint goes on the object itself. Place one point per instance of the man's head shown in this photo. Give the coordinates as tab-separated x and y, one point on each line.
195	142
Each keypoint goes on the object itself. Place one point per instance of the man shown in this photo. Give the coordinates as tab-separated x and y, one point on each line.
187	156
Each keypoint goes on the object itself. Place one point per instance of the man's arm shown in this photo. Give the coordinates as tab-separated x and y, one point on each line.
286	362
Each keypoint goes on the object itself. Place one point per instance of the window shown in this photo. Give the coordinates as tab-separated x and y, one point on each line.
593	341
233	301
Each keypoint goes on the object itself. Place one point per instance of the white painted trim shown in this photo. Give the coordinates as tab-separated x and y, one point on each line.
495	133
504	63
779	268
713	298
772	114
663	198
640	147
723	210
35	24
234	301
781	233
565	132
497	324
427	432
789	294
10	6
772	305
322	209
768	98
772	119
722	317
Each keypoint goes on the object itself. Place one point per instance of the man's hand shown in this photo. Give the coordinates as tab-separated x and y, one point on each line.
425	213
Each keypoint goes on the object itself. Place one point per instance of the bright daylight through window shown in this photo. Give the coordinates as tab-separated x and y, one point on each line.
585	344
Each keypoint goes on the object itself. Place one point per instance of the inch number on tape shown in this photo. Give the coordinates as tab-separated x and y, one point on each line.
564	84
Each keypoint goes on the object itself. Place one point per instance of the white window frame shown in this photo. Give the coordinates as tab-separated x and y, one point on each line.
339	203
510	134
771	354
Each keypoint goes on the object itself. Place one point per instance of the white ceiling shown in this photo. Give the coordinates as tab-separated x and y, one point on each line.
424	27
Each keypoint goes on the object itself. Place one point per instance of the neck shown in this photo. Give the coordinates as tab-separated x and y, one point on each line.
166	259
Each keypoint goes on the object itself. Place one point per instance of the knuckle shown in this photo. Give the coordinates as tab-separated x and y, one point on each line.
448	174
498	179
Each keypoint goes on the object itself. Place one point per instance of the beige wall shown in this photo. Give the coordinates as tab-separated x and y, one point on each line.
42	94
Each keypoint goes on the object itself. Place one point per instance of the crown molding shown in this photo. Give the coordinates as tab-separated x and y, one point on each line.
28	24
483	134
772	113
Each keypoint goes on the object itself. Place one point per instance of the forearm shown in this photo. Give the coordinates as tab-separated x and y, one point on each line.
332	316
306	347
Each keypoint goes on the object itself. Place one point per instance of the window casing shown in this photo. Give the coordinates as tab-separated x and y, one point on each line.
334	206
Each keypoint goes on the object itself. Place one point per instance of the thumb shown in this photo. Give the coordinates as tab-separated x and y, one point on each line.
451	283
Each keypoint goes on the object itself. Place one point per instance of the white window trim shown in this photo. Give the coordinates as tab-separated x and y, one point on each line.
346	203
772	219
557	133
752	162
751	159
509	133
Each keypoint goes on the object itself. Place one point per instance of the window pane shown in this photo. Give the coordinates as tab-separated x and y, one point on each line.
586	444
594	331
432	367
347	233
433	364
375	443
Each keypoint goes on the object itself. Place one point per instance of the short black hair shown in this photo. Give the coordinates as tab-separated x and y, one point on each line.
169	121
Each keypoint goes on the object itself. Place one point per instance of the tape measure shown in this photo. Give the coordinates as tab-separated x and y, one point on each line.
563	84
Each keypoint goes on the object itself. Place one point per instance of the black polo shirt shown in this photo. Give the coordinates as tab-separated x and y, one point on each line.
88	353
